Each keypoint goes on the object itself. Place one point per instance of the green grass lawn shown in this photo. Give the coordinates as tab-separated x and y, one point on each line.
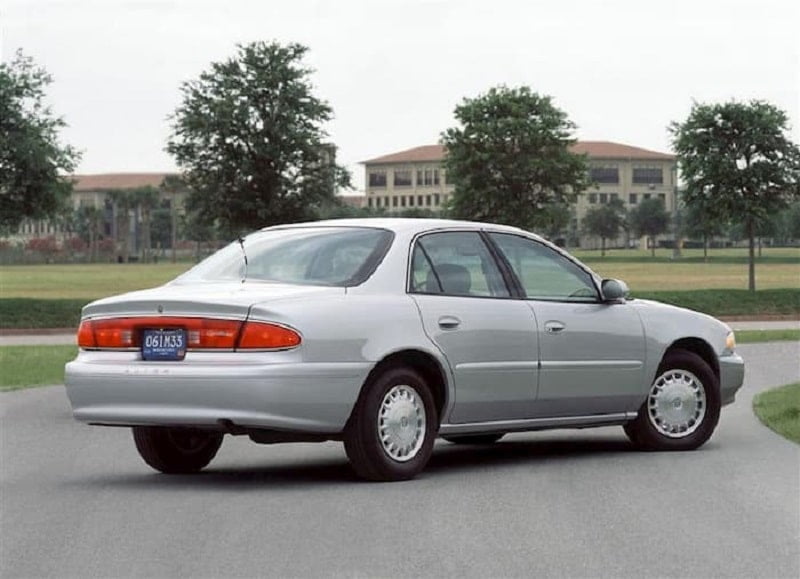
26	366
55	293
779	409
87	281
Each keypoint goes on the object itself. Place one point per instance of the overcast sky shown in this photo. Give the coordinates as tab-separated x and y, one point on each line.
393	70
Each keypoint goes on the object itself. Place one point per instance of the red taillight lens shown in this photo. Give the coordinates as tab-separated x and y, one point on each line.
86	335
261	335
201	333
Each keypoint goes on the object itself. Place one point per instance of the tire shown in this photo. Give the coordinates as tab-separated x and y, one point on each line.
475	438
176	450
391	432
682	406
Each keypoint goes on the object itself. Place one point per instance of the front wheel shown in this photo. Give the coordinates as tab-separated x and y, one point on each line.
682	407
390	435
176	450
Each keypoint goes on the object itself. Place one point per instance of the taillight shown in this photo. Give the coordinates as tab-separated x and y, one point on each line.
262	335
201	333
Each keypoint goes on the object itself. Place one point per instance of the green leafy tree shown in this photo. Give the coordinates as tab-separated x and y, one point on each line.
737	159
124	202
248	137
554	220
649	218
31	155
510	157
89	224
146	199
699	223
605	221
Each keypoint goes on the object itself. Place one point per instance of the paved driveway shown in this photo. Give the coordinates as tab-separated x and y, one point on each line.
78	501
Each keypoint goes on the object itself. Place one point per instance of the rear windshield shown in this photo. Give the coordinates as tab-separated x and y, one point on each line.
330	256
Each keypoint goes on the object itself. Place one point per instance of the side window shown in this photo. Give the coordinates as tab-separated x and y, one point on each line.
544	273
455	263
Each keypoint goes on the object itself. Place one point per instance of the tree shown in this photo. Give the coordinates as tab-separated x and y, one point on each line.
605	221
146	199
649	218
170	186
510	158
89	223
554	220
738	161
124	201
31	156
699	222
248	138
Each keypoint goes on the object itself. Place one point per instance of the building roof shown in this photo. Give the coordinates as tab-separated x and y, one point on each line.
415	155
107	181
594	149
609	150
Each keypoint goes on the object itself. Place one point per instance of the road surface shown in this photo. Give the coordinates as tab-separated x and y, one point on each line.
78	501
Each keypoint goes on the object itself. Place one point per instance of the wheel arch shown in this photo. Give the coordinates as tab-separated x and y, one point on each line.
423	362
696	346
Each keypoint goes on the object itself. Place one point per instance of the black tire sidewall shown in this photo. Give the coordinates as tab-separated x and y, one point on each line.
361	438
156	446
642	432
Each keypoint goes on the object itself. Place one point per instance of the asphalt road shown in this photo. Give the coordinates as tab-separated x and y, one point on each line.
78	501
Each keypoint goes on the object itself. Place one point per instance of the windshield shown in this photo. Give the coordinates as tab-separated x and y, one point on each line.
332	256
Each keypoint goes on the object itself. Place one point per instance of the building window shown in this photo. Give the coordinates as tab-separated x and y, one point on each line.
604	174
427	200
419	200
402	200
613	196
427	177
603	198
647	195
648	175
663	197
633	198
411	201
394	201
377	178
402	178
436	199
592	198
369	202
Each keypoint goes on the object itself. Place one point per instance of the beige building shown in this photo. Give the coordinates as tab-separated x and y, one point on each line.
96	191
416	178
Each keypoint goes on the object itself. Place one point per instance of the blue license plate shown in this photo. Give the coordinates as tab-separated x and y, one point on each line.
163	345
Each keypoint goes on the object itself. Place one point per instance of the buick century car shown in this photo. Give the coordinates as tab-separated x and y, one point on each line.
386	334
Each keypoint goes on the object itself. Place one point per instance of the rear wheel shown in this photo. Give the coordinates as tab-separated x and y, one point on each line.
682	407
475	438
176	450
390	435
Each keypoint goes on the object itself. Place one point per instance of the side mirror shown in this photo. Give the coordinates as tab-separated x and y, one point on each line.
614	290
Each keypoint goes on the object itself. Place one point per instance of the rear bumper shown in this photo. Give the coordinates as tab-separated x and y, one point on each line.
731	376
247	389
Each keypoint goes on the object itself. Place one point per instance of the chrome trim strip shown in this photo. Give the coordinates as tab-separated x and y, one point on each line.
497	366
536	423
589	364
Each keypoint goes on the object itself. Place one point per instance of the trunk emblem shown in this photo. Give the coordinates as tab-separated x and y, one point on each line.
160	309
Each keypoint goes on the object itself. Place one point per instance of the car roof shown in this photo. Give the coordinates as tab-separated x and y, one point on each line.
405	224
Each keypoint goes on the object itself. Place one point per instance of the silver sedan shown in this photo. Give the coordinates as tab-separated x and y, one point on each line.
386	333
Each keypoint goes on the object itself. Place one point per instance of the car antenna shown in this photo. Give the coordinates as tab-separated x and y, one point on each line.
240	239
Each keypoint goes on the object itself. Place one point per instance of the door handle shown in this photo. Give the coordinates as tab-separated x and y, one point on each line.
449	322
554	327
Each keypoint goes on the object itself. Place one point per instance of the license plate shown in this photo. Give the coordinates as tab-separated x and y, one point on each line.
163	345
